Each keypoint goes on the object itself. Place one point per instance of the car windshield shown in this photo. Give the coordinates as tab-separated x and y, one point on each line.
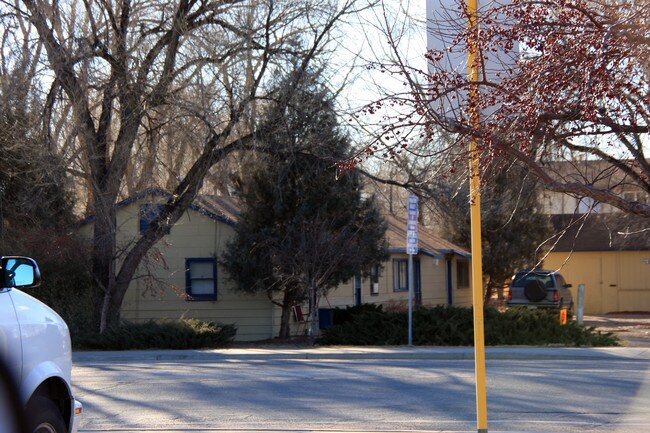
524	278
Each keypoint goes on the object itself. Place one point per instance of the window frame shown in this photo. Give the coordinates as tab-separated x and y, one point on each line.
417	278
188	279
374	280
397	275
464	269
147	212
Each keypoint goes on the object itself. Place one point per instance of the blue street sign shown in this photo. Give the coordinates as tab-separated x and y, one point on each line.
412	225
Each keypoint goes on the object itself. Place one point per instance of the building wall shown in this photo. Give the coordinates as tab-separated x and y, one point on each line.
197	236
557	203
193	236
433	280
614	280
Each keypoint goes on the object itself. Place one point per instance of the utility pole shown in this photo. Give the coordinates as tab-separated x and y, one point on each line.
475	216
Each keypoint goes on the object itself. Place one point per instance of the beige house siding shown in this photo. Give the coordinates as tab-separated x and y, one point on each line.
158	290
343	295
433	283
194	236
614	280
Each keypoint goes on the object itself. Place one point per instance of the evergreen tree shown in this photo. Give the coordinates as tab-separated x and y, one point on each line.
513	225
305	227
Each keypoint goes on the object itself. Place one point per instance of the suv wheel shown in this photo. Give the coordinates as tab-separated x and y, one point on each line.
44	417
535	291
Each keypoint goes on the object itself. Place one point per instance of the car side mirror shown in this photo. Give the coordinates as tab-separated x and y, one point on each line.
567	286
19	272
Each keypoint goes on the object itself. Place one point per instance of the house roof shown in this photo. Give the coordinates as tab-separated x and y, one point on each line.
226	209
219	208
600	232
428	243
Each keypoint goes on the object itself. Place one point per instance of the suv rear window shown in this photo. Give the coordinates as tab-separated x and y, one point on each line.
524	278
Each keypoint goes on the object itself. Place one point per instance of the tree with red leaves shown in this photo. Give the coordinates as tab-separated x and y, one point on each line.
561	81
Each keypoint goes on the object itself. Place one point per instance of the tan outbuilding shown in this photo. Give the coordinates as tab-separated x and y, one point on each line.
610	255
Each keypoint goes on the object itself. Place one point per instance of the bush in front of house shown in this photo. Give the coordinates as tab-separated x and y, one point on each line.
341	315
453	326
161	334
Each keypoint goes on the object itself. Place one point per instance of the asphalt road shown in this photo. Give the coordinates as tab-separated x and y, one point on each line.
533	393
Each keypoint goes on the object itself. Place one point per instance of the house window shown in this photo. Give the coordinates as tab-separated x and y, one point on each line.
201	278
462	274
374	280
148	213
588	204
400	275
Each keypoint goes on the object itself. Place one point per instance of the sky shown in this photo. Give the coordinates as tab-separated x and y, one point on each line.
367	36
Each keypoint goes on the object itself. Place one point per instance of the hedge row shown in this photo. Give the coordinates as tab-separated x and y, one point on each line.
453	326
163	334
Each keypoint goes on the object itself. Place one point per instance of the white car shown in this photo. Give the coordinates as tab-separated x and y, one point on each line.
36	352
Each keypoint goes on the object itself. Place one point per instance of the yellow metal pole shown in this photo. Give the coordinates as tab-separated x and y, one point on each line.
475	214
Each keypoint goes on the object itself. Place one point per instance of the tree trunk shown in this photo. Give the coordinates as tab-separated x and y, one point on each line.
314	301
489	289
285	324
103	259
285	321
115	284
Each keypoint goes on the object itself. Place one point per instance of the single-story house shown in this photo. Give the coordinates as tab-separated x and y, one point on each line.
181	276
441	274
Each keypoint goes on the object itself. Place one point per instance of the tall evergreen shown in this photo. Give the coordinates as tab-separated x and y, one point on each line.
305	226
514	228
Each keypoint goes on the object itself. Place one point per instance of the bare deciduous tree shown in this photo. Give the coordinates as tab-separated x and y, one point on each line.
34	192
561	81
131	72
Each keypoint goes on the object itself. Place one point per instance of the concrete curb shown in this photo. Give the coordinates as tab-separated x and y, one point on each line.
361	353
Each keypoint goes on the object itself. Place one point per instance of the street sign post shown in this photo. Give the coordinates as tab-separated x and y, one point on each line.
412	225
411	249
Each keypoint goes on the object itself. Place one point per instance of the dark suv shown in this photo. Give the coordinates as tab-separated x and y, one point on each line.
540	289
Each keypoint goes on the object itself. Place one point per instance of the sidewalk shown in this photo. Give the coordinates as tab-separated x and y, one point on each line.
351	353
632	329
